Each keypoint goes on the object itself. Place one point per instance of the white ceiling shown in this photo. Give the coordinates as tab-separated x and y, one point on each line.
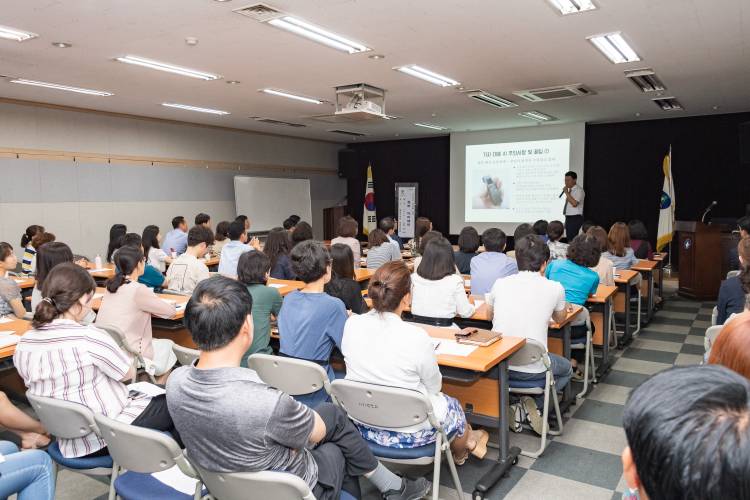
700	49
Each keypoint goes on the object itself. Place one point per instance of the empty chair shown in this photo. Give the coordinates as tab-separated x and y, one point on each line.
185	355
295	377
394	408
711	333
141	452
589	367
532	352
138	361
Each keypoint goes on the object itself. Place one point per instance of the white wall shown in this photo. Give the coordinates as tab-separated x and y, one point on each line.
79	201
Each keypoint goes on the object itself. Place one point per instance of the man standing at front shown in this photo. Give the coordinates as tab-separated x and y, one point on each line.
573	208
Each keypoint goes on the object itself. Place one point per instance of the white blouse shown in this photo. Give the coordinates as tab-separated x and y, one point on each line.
443	298
157	258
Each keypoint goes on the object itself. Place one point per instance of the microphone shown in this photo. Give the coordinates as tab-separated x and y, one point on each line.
562	193
708	209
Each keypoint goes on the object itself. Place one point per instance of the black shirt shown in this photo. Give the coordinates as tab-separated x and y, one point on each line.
463	261
731	299
349	292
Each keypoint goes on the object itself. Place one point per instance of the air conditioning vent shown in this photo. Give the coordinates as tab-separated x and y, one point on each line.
271	121
668	103
347	132
552	93
491	99
260	12
537	116
646	80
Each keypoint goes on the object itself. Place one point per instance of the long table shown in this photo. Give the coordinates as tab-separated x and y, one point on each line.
624	279
647	268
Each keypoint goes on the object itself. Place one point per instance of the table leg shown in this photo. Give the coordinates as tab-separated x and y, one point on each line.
507	456
650	296
628	332
607	331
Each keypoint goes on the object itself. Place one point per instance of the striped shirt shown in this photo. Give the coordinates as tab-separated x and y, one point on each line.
382	254
28	261
81	364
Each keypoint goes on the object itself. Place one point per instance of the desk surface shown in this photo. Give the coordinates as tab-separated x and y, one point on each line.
645	265
481	359
624	276
19	326
483	313
289	285
25	282
178	299
603	293
110	270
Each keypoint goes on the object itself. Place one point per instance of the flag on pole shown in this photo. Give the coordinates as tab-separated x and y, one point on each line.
369	220
666	205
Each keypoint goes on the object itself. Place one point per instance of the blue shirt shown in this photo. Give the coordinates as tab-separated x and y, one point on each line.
310	326
175	239
488	267
579	282
230	256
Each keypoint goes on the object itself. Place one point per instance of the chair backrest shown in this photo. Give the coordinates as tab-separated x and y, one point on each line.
532	352
117	335
295	377
185	355
140	449
169	291
62	418
732	274
711	333
382	406
255	485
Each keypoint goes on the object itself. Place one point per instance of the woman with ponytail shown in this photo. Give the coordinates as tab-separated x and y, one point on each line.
733	292
128	305
380	348
62	359
28	264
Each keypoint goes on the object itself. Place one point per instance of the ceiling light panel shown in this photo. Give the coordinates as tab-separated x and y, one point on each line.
646	80
427	75
537	116
318	34
15	34
614	47
431	126
491	99
57	86
169	68
573	6
289	95
195	108
668	103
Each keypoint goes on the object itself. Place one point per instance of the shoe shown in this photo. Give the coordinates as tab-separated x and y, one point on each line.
481	437
535	418
577	376
411	489
515	418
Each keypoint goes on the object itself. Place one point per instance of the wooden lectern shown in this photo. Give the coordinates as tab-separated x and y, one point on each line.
331	218
700	260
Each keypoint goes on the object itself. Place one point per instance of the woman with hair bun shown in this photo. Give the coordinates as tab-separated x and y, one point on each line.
380	348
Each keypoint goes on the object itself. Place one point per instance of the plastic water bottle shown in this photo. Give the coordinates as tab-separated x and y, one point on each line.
98	261
174	254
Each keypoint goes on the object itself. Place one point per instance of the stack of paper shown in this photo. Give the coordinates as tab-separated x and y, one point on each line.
453	348
5	320
8	338
276	285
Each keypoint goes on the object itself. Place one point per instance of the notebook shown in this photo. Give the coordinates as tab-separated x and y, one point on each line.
481	338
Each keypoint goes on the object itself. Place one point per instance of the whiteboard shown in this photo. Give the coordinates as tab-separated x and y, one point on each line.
267	201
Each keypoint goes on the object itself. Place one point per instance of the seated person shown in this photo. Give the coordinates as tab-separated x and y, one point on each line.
11	302
380	250
468	244
557	249
29	473
302	232
491	265
743	226
618	247
587	224
237	246
28	262
540	229
347	235
389	225
311	322
342	284
574	273
437	291
49	255
733	291
277	248
604	268
639	240
252	427
252	271
522	230
423	242
421	226
522	306
151	276
686	430
176	241
731	348
155	256
221	237
380	348
129	305
187	270
61	358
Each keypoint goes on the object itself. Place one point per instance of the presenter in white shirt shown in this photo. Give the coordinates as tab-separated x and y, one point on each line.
573	208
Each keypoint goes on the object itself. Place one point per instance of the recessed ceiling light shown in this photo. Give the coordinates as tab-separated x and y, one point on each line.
491	99
427	75
377	56
668	103
169	68
318	34
430	125
195	108
573	6
57	86
222	1
62	45
614	47
233	82
646	80
289	95
15	34
537	116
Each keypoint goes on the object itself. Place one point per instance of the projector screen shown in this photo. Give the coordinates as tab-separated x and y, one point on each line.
267	200
503	178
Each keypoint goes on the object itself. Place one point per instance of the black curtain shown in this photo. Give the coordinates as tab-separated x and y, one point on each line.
426	161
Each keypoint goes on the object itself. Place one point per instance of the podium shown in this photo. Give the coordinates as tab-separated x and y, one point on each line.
700	260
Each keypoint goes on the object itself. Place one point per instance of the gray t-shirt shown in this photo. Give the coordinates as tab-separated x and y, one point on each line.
231	422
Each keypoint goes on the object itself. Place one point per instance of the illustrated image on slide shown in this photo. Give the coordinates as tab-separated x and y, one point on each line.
491	193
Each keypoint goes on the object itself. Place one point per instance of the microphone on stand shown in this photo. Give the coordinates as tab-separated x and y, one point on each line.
708	209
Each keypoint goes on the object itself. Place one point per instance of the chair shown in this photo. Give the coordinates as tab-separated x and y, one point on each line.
589	365
732	274
169	291
142	452
67	420
295	377
139	363
711	333
394	408
259	485
532	352
185	355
